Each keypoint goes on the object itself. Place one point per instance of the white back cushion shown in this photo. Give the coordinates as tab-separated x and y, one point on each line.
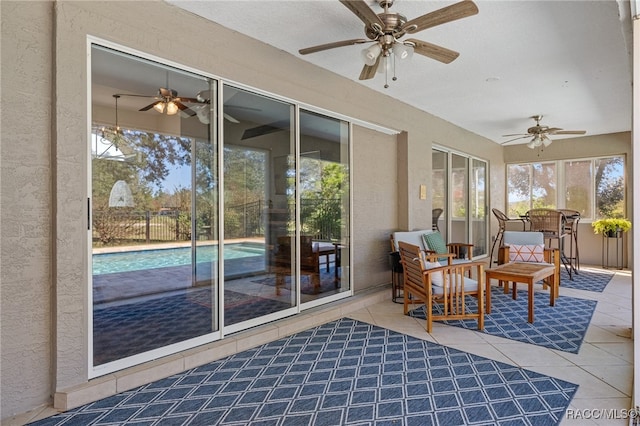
411	237
523	238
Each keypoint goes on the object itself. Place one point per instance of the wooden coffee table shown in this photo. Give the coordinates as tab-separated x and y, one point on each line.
525	273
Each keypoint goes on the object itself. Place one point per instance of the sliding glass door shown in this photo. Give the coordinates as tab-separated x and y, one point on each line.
259	206
324	202
154	206
478	203
213	209
440	192
459	189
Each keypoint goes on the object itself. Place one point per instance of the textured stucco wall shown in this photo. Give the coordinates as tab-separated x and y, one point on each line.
25	205
375	208
45	248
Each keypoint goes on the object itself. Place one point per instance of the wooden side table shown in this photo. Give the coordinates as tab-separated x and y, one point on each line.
525	273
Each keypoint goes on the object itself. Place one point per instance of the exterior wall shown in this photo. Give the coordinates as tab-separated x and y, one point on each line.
26	205
45	249
375	209
590	245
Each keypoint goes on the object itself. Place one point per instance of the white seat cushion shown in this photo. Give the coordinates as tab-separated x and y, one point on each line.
470	285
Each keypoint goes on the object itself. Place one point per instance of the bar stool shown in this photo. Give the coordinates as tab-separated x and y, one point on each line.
435	216
571	227
503	219
553	225
397	273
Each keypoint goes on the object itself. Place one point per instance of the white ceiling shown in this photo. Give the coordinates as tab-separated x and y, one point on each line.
567	60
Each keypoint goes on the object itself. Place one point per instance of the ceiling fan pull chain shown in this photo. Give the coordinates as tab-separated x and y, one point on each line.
394	68
386	73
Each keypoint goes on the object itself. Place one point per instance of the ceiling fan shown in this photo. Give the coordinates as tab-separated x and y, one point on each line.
541	134
386	29
167	100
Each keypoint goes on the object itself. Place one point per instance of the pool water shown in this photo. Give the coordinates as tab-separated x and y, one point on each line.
127	261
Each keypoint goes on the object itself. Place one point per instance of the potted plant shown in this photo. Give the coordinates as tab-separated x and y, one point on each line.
611	226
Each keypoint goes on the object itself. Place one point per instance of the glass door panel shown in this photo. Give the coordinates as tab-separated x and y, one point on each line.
440	181
478	202
324	205
205	203
459	199
150	158
259	206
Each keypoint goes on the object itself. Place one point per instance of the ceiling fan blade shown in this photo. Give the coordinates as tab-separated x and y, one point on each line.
515	134
364	13
133	94
433	51
246	108
441	16
515	139
184	108
148	107
230	118
570	132
188	100
369	71
333	45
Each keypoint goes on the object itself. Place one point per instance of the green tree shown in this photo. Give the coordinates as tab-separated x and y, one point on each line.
610	188
143	162
323	210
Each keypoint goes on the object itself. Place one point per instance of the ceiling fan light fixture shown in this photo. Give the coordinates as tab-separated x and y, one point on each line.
385	65
159	106
546	141
402	51
532	144
202	111
172	108
371	53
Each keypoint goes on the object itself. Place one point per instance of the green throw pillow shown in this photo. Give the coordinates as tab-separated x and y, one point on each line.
433	241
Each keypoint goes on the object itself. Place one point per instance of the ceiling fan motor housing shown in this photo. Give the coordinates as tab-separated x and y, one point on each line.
536	130
167	93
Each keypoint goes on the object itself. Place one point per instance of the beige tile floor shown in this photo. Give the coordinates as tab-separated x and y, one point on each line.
603	368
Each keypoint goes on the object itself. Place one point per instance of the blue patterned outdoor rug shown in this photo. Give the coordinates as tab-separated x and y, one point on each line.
586	280
342	373
561	327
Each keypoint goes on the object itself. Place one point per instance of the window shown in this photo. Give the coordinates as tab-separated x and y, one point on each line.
594	187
